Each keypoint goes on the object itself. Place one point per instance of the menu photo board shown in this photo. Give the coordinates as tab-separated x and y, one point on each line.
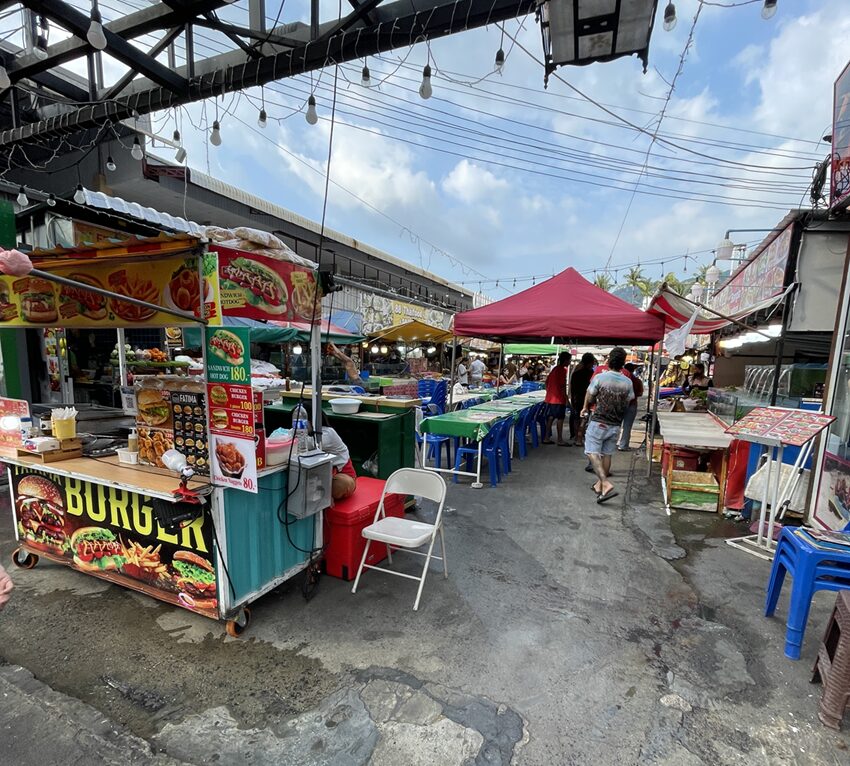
11	413
778	425
233	440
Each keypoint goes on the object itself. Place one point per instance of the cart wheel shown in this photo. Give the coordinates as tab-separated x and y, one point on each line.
24	559
310	583
237	627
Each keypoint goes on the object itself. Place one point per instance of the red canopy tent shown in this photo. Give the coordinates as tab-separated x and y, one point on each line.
562	309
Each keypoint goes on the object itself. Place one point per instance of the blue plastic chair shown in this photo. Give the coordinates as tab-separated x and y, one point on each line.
438	396
489	450
525	423
425	387
435	445
541	420
812	569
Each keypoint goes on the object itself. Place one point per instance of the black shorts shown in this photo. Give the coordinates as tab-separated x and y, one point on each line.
557	411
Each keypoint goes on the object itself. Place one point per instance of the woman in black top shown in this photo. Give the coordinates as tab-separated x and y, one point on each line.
699	381
579	381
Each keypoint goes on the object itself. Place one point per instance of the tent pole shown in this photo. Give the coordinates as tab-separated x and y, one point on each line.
452	374
650	442
316	375
499	374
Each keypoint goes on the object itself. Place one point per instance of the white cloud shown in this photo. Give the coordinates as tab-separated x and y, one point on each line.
471	183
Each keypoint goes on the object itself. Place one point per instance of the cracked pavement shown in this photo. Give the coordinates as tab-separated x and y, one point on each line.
567	633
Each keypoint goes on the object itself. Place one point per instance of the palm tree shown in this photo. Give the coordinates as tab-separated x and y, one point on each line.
604	281
674	283
636	278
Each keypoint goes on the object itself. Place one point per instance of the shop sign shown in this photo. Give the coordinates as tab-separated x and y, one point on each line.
113	533
11	412
839	185
759	279
380	312
172	282
259	287
233	441
87	234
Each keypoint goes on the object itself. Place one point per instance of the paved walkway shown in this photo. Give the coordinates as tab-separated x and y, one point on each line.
567	633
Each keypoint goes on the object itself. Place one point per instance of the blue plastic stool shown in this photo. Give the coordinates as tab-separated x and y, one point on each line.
812	569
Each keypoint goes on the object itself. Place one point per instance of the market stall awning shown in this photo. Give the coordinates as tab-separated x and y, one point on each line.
330	332
532	349
677	311
412	331
277	332
562	309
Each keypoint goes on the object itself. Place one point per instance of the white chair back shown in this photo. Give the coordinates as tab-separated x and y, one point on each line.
415	481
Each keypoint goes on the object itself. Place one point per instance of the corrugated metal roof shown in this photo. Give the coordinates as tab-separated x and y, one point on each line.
134	210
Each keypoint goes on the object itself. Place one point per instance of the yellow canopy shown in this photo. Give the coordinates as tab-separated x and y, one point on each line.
413	331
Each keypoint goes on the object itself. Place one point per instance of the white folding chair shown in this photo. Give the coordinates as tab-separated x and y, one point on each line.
406	533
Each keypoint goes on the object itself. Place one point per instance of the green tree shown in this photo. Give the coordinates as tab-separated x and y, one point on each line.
675	284
604	281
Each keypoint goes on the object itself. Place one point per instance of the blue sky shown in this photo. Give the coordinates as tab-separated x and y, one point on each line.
495	177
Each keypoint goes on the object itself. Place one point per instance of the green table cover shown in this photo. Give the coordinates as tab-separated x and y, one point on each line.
468	424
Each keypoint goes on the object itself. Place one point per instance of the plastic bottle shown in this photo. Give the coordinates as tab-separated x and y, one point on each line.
133	441
26	428
299	426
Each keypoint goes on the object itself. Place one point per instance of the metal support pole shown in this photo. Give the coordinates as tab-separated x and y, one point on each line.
499	374
780	348
452	375
650	442
316	375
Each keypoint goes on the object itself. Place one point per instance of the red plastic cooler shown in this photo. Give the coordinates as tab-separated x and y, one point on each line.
345	522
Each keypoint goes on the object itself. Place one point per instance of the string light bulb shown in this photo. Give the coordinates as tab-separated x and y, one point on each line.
95	35
180	154
175	137
500	60
768	10
22	198
297	350
384	349
312	115
425	89
110	164
80	195
136	152
263	119
374	349
5	82
366	78
51	200
670	17
40	49
215	134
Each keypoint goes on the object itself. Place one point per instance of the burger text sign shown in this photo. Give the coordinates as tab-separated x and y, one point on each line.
233	438
113	533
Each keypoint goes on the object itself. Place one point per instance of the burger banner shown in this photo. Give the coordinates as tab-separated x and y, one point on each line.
171	282
258	287
113	534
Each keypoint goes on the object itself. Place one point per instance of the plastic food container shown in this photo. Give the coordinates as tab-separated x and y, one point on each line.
345	406
128	457
65	429
277	451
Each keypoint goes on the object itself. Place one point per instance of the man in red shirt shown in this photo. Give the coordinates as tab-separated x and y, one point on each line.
556	398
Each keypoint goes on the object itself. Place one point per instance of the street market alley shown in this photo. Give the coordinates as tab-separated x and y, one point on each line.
567	633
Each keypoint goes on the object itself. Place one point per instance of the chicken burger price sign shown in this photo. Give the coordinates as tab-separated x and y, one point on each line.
233	440
113	533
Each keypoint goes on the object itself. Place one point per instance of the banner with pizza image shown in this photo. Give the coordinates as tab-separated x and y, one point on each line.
113	533
172	282
255	286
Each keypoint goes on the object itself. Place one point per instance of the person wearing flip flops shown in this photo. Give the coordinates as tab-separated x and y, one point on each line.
611	392
556	398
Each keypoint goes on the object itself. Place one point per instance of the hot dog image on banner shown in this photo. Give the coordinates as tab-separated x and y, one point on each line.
113	534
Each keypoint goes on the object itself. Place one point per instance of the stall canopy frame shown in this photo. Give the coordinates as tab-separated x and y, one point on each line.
413	331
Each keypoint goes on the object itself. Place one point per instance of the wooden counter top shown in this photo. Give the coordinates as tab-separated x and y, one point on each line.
108	471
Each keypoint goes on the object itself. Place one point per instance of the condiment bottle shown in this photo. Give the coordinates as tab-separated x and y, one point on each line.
133	441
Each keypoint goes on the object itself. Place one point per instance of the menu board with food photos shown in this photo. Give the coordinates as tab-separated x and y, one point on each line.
171	414
172	282
779	425
113	534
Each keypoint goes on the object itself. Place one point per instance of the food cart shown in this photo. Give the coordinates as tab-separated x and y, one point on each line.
200	534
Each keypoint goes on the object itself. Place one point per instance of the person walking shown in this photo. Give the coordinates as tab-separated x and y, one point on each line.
556	398
476	372
631	410
611	392
579	381
463	372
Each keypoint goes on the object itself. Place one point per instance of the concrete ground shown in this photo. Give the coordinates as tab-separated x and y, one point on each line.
567	633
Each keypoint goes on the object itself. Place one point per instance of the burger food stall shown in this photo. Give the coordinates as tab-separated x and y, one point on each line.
183	519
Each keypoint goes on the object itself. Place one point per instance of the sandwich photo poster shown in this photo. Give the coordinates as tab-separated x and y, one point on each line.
170	282
113	534
233	436
258	287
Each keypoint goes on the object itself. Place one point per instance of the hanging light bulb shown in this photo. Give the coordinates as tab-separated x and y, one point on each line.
95	35
384	349
215	134
22	198
263	119
5	82
374	349
431	349
110	164
136	152
40	49
51	200
670	17
768	10
425	89
297	350
500	60
175	137
180	154
80	195
366	78
400	347
312	116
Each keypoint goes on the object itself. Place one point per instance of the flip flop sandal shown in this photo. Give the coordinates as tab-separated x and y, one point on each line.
605	498
564	444
593	487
